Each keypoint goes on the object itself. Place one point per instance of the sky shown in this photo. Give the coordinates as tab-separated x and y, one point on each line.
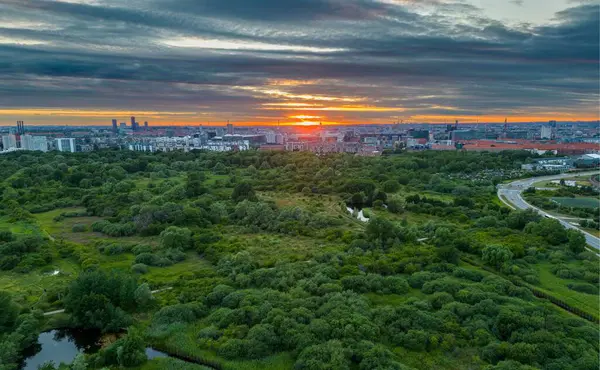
191	62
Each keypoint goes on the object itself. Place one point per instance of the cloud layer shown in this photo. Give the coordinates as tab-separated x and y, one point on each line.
330	60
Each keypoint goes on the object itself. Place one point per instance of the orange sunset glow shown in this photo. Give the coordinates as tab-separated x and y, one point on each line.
329	62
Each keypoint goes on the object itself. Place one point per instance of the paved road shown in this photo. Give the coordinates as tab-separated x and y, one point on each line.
512	193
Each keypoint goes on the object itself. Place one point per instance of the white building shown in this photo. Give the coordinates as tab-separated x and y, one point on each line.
9	141
65	145
29	142
546	132
274	138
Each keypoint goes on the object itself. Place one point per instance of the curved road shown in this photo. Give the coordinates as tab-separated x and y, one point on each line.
512	193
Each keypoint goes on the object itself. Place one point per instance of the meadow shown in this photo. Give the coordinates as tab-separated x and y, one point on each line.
255	261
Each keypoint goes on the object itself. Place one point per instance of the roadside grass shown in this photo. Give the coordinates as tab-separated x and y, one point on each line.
594	232
578	202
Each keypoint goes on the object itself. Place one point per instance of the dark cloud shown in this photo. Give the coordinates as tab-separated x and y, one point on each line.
120	53
277	10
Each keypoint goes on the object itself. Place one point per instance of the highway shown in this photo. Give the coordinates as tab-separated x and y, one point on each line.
512	193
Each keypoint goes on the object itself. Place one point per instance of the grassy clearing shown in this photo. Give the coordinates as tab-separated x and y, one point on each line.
411	218
579	202
170	364
186	342
29	288
164	276
20	227
63	229
439	359
558	288
394	299
211	179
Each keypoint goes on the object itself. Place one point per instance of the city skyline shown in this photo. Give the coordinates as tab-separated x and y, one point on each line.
172	62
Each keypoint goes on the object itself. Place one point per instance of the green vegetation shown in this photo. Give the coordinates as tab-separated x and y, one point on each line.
256	263
582	202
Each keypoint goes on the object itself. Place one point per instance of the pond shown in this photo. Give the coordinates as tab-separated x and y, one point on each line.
61	345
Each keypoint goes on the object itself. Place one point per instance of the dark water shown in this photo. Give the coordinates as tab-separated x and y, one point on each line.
152	353
61	345
65	344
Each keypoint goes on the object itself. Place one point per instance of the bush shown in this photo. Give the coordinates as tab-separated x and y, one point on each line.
79	228
139	268
583	288
468	274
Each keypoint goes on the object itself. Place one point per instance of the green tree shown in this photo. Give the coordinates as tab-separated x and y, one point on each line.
100	300
8	311
243	191
143	296
175	237
193	185
577	242
326	356
380	230
131	350
391	186
496	255
79	362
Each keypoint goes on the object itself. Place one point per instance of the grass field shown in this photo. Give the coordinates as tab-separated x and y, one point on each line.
170	364
186	342
558	288
583	202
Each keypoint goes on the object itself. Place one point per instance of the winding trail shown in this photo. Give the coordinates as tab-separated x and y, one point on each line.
56	312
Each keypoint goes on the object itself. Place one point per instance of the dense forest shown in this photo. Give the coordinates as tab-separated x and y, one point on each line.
255	260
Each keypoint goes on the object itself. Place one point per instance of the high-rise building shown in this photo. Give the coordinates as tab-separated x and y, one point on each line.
146	125
20	128
134	125
29	142
114	125
123	124
229	128
546	132
65	145
9	141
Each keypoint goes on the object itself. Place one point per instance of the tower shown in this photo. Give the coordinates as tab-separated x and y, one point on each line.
20	128
114	125
133	124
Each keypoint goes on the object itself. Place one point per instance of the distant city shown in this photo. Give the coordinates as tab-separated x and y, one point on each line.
570	138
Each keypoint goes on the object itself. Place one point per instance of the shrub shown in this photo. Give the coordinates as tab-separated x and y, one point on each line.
79	228
139	268
583	288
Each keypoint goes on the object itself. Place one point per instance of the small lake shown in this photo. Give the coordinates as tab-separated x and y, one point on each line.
61	345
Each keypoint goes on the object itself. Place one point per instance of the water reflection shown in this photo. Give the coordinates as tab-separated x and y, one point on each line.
60	346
